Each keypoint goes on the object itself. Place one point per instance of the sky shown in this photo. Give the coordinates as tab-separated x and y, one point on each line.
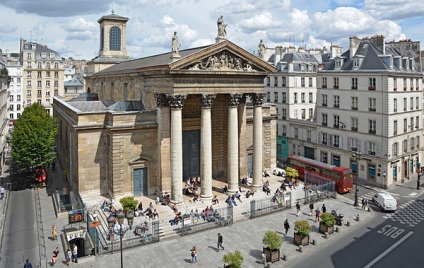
70	26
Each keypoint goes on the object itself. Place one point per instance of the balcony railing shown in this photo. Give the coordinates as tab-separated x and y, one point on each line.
354	128
336	87
371	131
371	152
371	109
324	124
355	108
324	104
371	88
336	105
336	125
324	86
354	149
354	87
324	142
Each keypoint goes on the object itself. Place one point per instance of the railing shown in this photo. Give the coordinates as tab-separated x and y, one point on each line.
216	218
260	207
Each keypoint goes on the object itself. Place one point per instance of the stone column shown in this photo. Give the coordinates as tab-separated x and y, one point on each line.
257	100
176	104
233	168
206	146
163	181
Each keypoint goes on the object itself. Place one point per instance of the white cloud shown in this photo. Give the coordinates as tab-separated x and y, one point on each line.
80	24
347	21
299	20
394	9
260	21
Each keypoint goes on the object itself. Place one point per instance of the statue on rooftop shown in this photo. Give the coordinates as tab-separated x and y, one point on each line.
222	31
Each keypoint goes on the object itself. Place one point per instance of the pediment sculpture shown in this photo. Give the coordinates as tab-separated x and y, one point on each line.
223	62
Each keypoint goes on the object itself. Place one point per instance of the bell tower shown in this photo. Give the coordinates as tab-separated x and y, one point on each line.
113	29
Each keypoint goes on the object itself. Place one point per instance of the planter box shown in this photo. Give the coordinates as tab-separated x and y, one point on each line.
301	241
271	256
325	229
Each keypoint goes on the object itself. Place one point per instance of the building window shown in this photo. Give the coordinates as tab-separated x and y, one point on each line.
324	138
303	113
268	81
29	65
295	97
324	100
56	65
372	102
48	83
405	125
39	102
324	157
372	126
336	101
18	97
275	96
39	65
417	141
11	116
310	82
38	84
354	124
29	74
302	81
354	103
268	96
311	113
11	98
308	135
417	122
395	126
295	113
336	119
275	81
48	65
336	83
417	103
283	81
56	83
336	141
395	149
324	82
284	130
354	83
56	74
411	103
29	56
11	107
405	146
394	84
371	148
284	100
311	97
115	39
354	145
47	74
372	84
284	113
324	119
302	97
38	74
296	132
395	105
18	107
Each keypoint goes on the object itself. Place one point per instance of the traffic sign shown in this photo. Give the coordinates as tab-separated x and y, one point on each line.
418	171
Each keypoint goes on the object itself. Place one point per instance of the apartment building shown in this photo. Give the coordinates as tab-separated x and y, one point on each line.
15	105
4	127
369	101
43	74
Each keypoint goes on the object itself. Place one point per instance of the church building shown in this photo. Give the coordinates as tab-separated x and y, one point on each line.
161	119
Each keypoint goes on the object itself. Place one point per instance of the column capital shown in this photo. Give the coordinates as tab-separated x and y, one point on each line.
176	101
234	99
161	100
206	100
257	98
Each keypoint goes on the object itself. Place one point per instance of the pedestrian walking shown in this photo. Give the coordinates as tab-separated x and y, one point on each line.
363	203
311	209
75	253
27	264
366	203
286	226
317	214
68	257
220	241
324	209
193	255
54	233
55	254
298	209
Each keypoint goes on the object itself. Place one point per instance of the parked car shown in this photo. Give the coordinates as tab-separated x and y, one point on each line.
40	175
385	201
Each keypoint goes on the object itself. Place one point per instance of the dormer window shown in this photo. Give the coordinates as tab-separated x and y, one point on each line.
338	63
52	56
356	62
34	46
43	55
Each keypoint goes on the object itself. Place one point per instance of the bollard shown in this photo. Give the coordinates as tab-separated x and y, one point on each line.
313	242
369	209
285	258
347	223
300	249
325	235
337	229
357	218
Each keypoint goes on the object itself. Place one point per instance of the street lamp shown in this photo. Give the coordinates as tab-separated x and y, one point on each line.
356	157
121	234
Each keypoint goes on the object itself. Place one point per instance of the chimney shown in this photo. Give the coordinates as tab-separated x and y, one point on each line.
353	45
378	42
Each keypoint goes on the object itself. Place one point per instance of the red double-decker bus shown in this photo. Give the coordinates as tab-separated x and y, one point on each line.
341	175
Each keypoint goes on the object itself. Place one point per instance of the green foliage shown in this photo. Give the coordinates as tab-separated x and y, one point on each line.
291	172
128	203
235	259
328	219
33	137
303	228
272	240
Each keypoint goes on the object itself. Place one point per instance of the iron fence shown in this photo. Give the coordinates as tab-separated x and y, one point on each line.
268	205
193	222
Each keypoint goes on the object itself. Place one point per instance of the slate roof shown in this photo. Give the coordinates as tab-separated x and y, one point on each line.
371	59
75	82
126	106
90	106
151	61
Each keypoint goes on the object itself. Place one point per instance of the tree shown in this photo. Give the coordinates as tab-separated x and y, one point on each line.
33	137
291	172
234	259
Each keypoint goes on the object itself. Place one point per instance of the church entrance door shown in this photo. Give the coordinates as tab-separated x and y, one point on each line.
191	154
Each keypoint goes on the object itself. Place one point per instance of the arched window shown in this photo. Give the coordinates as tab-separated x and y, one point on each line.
102	36
115	39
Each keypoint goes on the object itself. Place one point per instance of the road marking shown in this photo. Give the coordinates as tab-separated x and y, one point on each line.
413	194
387	251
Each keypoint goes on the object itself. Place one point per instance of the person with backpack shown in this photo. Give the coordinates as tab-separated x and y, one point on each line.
311	209
286	226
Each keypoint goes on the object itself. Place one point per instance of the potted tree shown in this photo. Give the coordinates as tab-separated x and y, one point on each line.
128	203
302	230
291	174
234	260
326	225
272	242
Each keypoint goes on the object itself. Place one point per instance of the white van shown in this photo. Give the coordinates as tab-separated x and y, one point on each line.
385	201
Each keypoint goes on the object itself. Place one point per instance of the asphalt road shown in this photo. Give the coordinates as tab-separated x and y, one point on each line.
20	240
388	240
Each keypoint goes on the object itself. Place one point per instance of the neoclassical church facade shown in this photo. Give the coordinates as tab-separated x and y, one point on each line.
158	120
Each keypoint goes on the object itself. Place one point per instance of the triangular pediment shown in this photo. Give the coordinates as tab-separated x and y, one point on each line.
224	56
141	159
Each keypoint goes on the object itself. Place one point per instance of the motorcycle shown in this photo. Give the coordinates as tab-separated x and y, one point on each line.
339	217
